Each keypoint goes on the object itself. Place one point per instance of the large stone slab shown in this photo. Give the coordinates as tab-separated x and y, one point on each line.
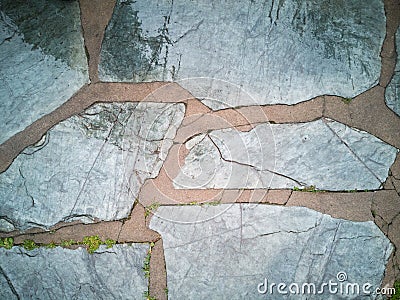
58	273
89	166
43	60
322	153
277	51
230	251
392	93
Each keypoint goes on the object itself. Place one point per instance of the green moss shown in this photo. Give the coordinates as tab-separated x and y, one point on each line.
110	243
146	265
92	243
347	100
29	245
6	243
68	243
149	209
147	296
396	295
310	189
51	245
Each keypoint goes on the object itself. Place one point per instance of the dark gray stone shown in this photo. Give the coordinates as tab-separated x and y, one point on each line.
392	93
323	153
90	166
228	251
58	273
43	60
277	51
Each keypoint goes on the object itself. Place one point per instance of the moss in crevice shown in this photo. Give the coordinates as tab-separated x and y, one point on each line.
91	243
146	270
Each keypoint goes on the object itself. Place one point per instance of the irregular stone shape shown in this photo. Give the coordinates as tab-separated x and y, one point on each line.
89	166
58	273
392	93
322	153
43	60
278	51
6	226
226	251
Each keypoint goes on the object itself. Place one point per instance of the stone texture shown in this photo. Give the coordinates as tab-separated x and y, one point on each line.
278	51
323	153
224	252
43	61
392	93
90	165
58	273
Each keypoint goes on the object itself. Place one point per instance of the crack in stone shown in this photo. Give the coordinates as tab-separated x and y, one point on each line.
10	284
254	167
94	163
194	28
26	188
325	121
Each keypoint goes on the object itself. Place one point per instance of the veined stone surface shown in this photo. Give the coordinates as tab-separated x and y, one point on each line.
90	165
392	93
322	153
58	273
43	60
226	251
277	51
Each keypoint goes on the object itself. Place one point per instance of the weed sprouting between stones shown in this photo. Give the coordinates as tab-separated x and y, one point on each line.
347	100
6	243
396	295
29	245
92	243
149	209
146	265
146	270
310	189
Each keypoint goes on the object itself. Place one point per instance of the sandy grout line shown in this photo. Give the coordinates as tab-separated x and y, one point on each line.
367	112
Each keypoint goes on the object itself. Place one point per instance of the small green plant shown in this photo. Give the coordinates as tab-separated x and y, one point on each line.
109	243
149	209
310	189
146	265
92	243
29	245
166	291
347	100
147	296
68	243
396	295
51	245
193	203
6	243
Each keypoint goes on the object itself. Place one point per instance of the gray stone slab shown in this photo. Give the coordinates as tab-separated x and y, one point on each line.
323	153
277	51
58	273
43	60
228	251
89	166
392	93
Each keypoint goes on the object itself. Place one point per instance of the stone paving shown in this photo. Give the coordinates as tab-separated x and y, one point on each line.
199	150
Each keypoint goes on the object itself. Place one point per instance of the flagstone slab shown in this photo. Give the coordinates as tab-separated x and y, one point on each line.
229	251
43	60
323	153
276	51
114	273
392	92
90	166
